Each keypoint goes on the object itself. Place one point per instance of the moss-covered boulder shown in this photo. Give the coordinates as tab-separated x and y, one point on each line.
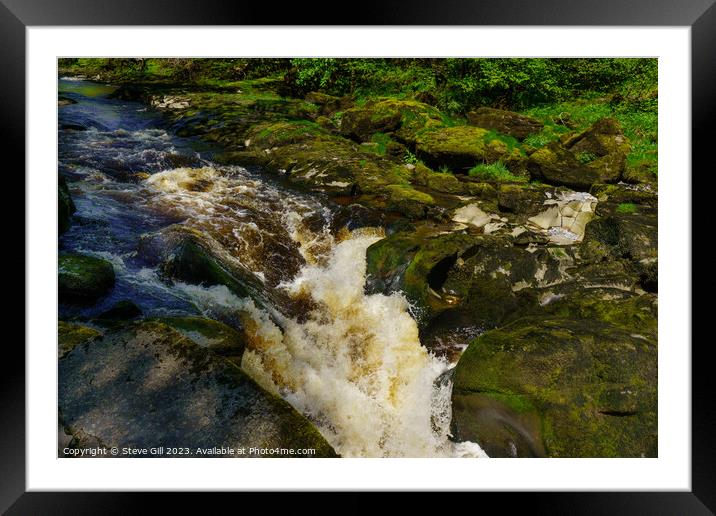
71	335
559	388
505	122
211	334
443	182
65	205
477	278
147	385
460	148
328	103
403	118
596	155
83	279
361	123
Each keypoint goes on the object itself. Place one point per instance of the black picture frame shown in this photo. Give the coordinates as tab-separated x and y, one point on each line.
17	15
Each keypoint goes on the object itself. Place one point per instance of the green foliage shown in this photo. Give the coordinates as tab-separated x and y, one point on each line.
626	208
586	157
495	172
410	158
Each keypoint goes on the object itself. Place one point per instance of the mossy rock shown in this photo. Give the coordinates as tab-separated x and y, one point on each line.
506	122
361	123
83	279
558	387
409	201
208	333
596	155
148	385
65	206
525	200
460	148
624	194
403	118
71	335
473	276
443	182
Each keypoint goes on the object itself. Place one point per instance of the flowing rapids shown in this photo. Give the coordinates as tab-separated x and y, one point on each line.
351	362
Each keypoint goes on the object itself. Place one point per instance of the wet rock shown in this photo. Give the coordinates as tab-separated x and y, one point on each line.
65	101
71	335
72	127
478	277
123	310
208	333
505	122
462	147
65	206
83	279
147	385
560	388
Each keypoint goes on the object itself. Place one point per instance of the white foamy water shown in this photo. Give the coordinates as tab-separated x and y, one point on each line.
355	365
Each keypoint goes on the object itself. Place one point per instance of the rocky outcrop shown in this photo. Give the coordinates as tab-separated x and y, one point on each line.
147	385
505	122
596	155
83	279
563	387
403	119
462	147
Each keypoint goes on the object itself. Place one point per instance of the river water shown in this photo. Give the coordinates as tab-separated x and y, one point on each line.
351	362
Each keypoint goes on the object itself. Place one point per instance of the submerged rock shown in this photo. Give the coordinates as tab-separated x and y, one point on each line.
65	205
121	311
560	388
505	122
147	385
83	279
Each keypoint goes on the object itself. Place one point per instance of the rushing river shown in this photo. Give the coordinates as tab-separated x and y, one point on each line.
351	362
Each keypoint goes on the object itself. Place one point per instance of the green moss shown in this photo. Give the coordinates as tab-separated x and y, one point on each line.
72	335
495	172
83	279
593	383
626	208
208	333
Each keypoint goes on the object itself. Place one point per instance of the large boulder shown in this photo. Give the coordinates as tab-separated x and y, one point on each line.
559	387
476	278
460	148
404	119
65	205
83	279
148	386
506	122
596	155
